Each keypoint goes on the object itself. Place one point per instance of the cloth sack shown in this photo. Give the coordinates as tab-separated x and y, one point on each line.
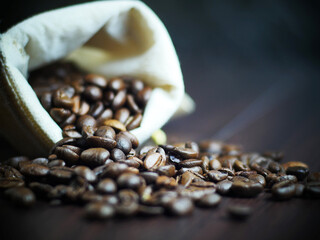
111	38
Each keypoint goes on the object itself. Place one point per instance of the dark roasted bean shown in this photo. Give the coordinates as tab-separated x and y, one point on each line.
115	124
117	154
210	200
167	170
21	196
119	100
41	161
129	180
99	210
59	114
224	187
181	206
134	122
150	177
298	171
94	156
144	95
123	143
116	84
14	161
114	170
283	190
85	120
86	173
92	93
217	176
122	115
246	188
60	174
101	142
239	212
34	170
66	154
11	182
96	79
214	164
191	163
107	186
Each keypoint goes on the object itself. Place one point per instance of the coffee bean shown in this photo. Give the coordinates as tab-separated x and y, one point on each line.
60	174
40	189
14	161
210	200
62	99
101	142
107	186
133	106
136	86
105	132
239	212
115	124
181	206
153	160
59	114
150	177
92	93
95	79
128	180
86	173
191	163
114	170
94	156
117	155
41	161
312	189
168	170
276	156
246	188
214	164
123	143
119	100
294	164
46	100
298	171
217	176
99	210
116	84
66	154
85	120
122	115
283	190
11	182
144	95
150	210
185	153
21	196
257	178
134	122
96	109
34	170
133	139
224	187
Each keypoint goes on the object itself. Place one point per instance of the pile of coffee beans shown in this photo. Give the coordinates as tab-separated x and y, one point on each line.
104	172
98	164
75	98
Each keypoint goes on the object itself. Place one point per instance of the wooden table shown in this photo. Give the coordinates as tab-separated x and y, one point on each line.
253	72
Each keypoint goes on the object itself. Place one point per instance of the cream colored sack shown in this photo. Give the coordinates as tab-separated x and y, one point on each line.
109	38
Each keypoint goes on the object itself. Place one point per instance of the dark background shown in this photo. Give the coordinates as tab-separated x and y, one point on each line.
252	68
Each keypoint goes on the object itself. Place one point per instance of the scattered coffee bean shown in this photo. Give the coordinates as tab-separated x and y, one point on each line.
239	212
21	196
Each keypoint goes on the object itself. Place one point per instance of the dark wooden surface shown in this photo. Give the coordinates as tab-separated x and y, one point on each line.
253	70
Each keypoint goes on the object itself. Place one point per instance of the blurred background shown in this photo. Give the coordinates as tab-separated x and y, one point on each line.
252	67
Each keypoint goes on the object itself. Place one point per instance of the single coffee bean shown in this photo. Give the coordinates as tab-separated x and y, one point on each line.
14	161
11	182
312	189
105	132
85	120
41	161
116	84
123	143
217	176
136	86
60	174
275	155
115	124
298	171
99	210
294	164
195	169
92	93
56	163
144	95
224	187
59	114
134	122
95	79
246	188
114	170
83	108
167	170
94	156
107	186
257	178
152	161
46	100
133	106
210	200
150	177
214	164
96	109
133	139
181	206
62	99
122	115
128	180
191	163
275	167
67	154
40	189
117	155
283	190
86	173
239	212
119	100
101	142
21	196
150	210
34	170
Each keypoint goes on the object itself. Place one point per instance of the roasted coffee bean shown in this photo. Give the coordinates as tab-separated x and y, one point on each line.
56	163
275	167
101	142
224	187
96	109
114	170
144	95
150	210
117	155
40	189
115	124
46	100
191	163
11	182
85	120
294	164
123	143
195	169
239	212
134	122
116	84
10	172
180	206
185	153
167	182
67	154
129	180
210	200
298	171
122	115
41	161
153	160
92	93
276	156
60	174
217	176
94	156
21	196
86	173
34	170
59	114
99	210
136	86
167	170
95	79
133	139
14	161
283	190
133	106
107	186
229	171
214	164
62	99
119	100
246	188
230	149
150	177
257	178
105	132
83	108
